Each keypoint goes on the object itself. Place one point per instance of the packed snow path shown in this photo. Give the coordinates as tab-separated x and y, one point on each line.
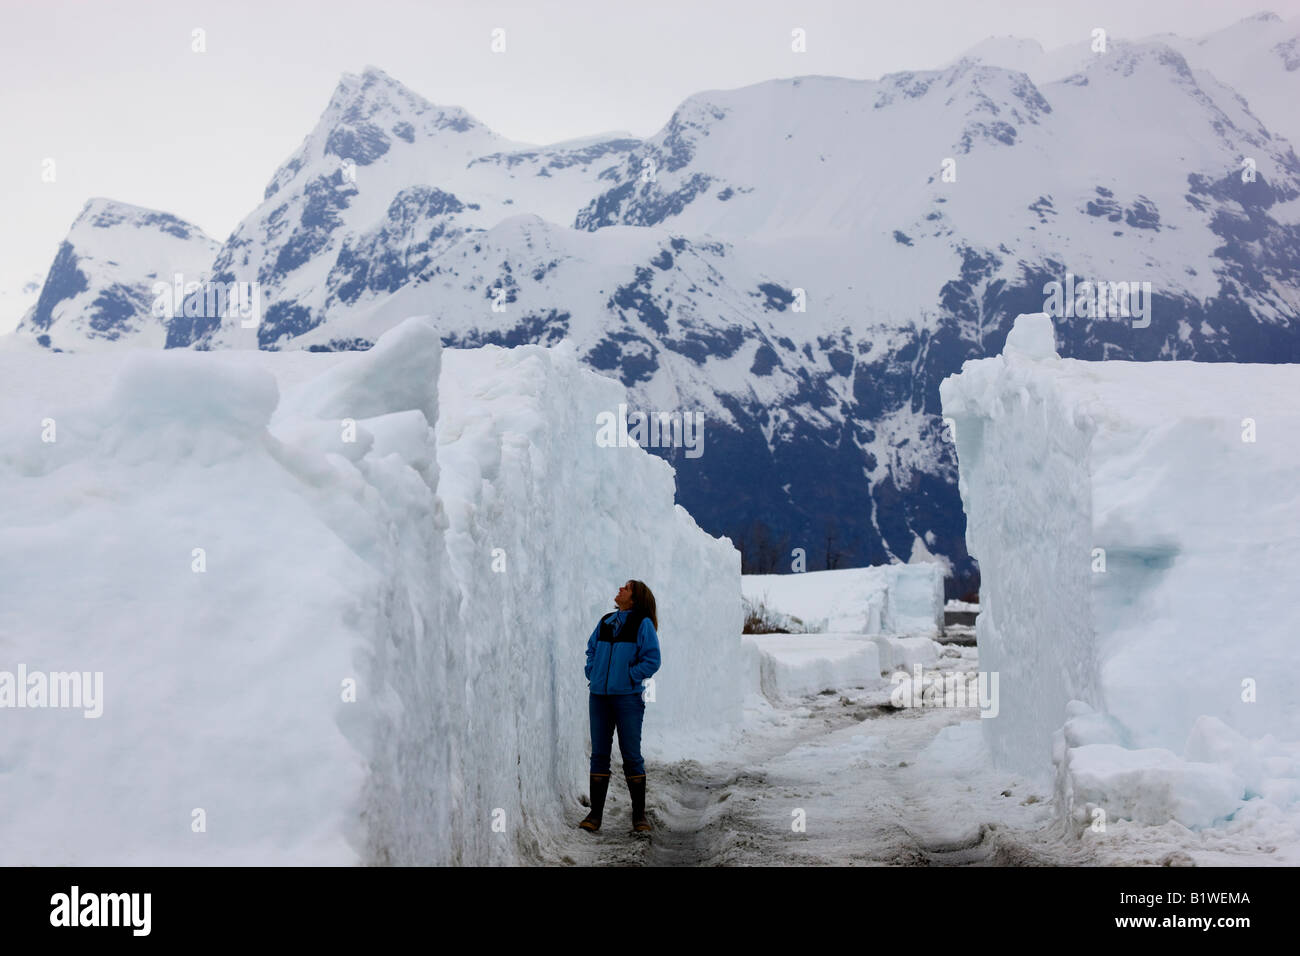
860	772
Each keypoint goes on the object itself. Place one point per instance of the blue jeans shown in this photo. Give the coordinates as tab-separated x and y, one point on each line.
624	712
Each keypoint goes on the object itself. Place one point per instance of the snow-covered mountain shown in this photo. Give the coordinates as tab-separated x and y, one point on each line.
803	260
382	188
1259	57
99	291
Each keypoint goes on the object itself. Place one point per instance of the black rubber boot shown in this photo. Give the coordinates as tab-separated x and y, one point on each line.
599	787
636	787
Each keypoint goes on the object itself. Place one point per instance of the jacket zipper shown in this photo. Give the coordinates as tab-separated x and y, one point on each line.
610	663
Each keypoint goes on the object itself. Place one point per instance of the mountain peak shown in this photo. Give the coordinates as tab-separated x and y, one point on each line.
358	97
1013	52
359	94
368	115
100	205
100	212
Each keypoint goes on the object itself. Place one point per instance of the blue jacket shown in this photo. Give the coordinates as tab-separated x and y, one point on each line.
618	664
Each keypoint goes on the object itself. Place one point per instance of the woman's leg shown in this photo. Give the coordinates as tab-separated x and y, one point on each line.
602	738
631	713
602	714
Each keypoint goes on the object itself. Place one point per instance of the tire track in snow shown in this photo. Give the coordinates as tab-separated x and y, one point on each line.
892	804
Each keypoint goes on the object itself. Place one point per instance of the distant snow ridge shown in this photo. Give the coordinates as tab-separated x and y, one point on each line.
339	601
1131	521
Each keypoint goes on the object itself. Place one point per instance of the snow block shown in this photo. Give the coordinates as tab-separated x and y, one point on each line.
903	653
1133	523
796	665
1151	786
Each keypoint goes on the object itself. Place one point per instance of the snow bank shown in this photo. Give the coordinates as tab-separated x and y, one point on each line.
887	599
282	566
1134	525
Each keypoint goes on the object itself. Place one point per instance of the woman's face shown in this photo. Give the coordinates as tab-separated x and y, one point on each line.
623	600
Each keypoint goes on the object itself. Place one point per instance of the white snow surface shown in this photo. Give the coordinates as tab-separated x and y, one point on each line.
1165	678
793	665
885	599
226	735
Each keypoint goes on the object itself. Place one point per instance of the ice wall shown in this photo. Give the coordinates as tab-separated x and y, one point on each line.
283	567
157	534
545	525
1136	526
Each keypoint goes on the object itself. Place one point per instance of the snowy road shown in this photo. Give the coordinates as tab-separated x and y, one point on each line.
872	783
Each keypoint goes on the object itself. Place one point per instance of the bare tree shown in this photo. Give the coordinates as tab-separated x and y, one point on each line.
833	554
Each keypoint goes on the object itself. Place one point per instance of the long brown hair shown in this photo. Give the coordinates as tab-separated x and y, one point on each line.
643	600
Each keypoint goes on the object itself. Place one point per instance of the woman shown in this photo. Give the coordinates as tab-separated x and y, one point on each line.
622	651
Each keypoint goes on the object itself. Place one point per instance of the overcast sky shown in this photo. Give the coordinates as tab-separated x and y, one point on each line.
115	95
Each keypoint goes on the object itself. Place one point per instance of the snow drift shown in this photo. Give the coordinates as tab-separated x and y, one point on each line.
339	602
1133	523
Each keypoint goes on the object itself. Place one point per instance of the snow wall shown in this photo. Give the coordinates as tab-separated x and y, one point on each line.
339	602
1136	527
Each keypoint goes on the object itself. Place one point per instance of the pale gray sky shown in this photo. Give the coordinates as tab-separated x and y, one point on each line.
114	94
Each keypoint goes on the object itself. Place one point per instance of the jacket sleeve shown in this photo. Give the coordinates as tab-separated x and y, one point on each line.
591	650
647	653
